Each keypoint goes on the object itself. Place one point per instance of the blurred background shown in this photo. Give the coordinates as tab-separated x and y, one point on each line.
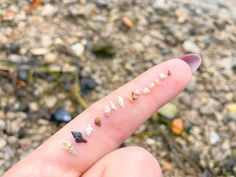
59	56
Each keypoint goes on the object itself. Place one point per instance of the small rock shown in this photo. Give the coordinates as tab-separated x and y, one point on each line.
12	140
190	46
233	65
39	51
2	143
2	125
188	125
21	133
191	87
88	10
25	143
167	166
103	48
101	3
73	10
150	141
33	106
87	85
14	48
177	126
127	22
168	111
50	57
49	10
214	138
23	74
46	41
61	116
232	116
50	101
138	47
141	129
78	49
230	164
231	107
195	103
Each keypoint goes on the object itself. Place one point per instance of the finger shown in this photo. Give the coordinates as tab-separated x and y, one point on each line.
138	163
118	126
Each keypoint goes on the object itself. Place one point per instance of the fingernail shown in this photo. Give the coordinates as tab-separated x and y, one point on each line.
193	60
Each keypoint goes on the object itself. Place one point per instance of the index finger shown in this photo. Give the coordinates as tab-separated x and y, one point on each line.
50	157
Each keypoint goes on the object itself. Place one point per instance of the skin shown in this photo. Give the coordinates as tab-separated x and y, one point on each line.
99	156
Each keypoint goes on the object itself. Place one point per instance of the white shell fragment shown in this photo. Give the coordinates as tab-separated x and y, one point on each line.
89	130
157	81
151	85
120	101
146	90
113	106
137	92
107	110
162	76
69	147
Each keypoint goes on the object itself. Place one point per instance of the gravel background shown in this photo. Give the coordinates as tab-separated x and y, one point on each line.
57	56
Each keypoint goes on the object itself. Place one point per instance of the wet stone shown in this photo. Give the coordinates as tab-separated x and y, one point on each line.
14	48
2	143
2	125
233	65
232	116
168	111
103	48
191	87
49	10
78	49
87	85
214	138
61	116
23	74
101	3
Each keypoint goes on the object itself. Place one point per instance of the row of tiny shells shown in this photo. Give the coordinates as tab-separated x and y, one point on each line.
113	107
134	94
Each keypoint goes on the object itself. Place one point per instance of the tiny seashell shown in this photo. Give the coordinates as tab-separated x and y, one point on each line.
98	121
146	90
120	101
113	106
134	96
89	130
168	73
69	147
137	92
78	137
157	81
107	110
130	99
162	76
151	85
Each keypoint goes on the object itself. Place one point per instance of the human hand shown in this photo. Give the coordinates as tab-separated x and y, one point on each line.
98	157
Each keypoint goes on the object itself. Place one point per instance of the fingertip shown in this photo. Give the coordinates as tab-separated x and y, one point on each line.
193	61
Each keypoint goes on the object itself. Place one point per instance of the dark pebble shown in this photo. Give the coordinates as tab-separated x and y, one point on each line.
191	87
14	47
87	85
23	74
104	49
230	164
61	116
21	133
101	3
188	125
233	66
78	137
